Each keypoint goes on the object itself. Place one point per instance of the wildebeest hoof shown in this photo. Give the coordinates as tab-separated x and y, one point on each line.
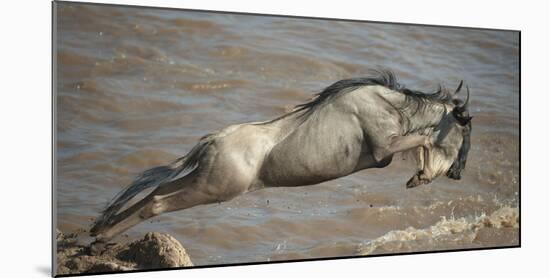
418	179
424	179
414	181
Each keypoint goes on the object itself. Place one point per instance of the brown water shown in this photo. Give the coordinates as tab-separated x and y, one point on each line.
136	88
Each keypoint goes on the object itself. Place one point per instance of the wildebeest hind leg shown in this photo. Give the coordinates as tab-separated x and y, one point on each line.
176	195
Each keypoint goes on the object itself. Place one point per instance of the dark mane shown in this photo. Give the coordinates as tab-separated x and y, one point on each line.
384	78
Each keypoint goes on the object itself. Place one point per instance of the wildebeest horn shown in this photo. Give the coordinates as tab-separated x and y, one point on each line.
459	87
465	105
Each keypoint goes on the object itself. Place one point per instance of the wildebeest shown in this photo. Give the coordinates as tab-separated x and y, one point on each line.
353	124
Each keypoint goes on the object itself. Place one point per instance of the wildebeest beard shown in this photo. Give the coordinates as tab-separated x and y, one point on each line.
460	162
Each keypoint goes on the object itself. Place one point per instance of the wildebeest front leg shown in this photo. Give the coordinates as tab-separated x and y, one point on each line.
424	174
400	144
419	158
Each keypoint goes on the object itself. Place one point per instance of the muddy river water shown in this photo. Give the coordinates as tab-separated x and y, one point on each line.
137	88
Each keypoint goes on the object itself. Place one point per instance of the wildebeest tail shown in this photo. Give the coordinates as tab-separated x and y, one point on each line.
149	179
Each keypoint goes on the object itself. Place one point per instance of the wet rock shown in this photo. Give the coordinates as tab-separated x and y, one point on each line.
154	250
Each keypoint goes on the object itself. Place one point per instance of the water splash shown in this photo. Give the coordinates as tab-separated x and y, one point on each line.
462	229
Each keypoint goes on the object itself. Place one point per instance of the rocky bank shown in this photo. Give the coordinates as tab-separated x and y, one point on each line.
153	251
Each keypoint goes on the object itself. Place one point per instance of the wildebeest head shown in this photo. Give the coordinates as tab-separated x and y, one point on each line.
461	115
452	143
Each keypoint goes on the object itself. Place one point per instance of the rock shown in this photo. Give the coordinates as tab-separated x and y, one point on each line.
154	250
108	267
